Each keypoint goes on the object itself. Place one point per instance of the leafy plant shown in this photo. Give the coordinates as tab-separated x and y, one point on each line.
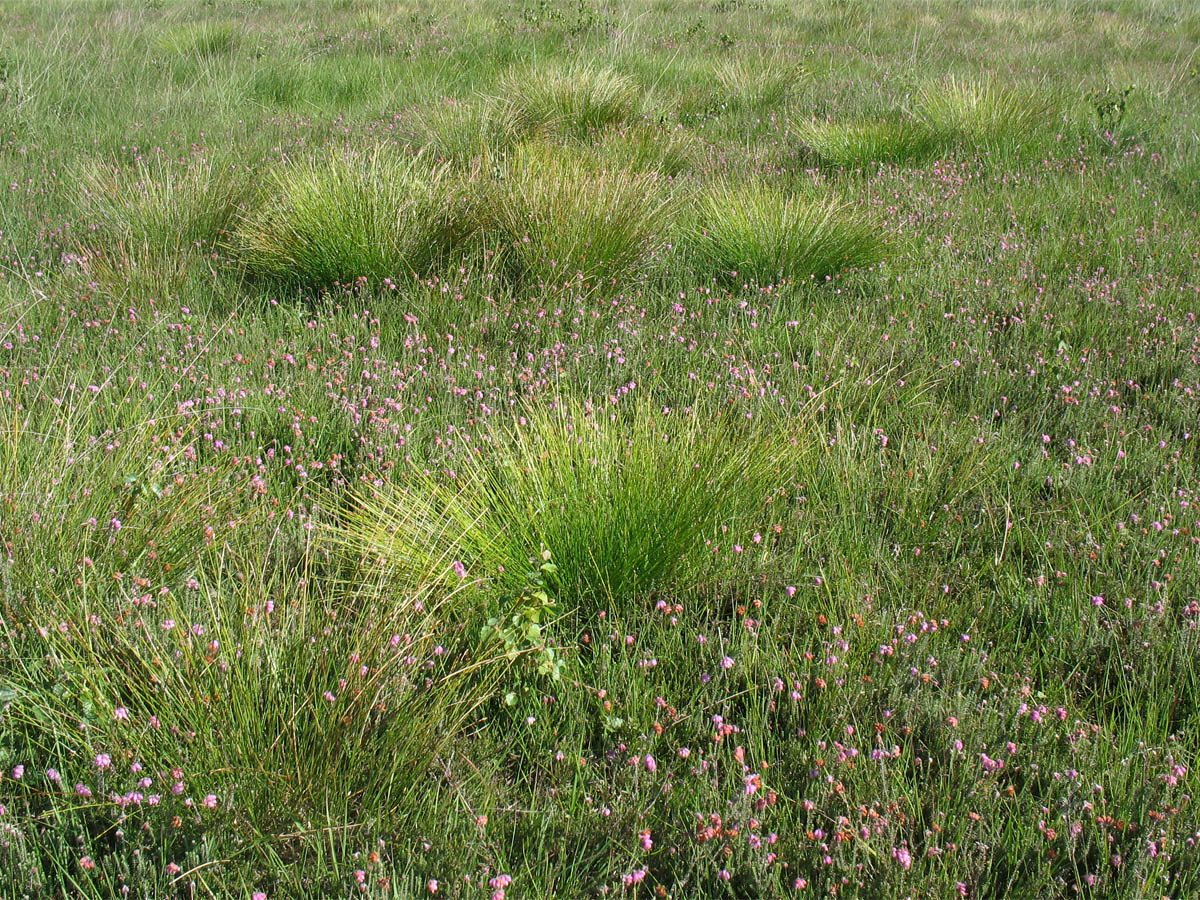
520	629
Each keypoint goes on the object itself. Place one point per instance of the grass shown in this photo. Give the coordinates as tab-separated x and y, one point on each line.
989	115
624	503
750	232
201	39
861	144
574	100
401	496
562	218
349	216
159	213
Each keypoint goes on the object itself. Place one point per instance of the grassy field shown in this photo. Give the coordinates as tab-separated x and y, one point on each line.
567	448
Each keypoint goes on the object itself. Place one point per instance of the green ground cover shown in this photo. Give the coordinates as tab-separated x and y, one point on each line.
561	448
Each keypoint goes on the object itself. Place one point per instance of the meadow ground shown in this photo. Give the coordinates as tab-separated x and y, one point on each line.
530	448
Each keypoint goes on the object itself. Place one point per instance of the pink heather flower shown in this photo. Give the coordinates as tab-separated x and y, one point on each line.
650	763
258	895
431	885
83	790
87	863
121	714
634	877
500	882
727	662
902	856
103	760
167	624
17	772
800	884
724	875
210	801
790	591
173	869
459	569
53	775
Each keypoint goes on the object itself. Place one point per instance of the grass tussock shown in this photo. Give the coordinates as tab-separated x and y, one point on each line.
987	114
564	218
752	232
624	502
766	80
647	148
345	216
200	39
460	131
159	212
573	100
866	142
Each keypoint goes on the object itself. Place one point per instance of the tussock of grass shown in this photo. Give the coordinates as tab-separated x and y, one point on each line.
343	216
751	232
645	148
766	80
564	218
159	212
623	503
573	100
460	131
861	143
987	114
201	39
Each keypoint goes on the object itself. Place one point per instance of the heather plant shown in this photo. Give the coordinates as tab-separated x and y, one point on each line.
752	232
